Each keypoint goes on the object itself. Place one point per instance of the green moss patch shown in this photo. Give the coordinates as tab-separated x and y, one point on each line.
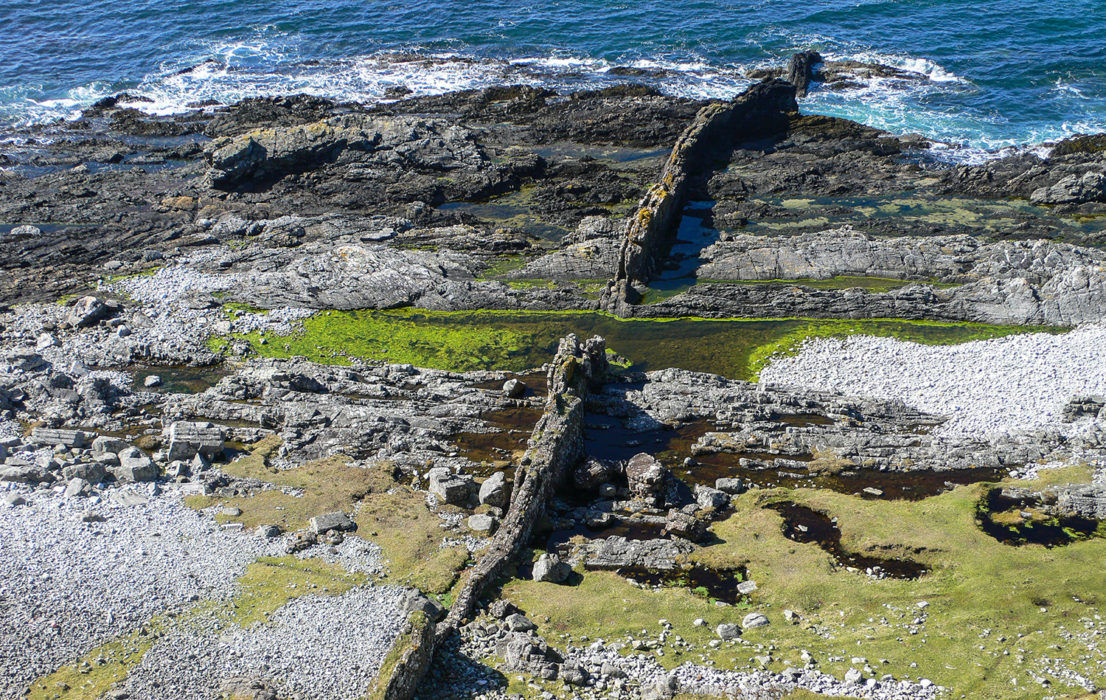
393	516
519	340
411	538
985	621
322	486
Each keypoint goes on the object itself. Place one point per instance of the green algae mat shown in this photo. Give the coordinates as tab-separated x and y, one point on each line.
517	340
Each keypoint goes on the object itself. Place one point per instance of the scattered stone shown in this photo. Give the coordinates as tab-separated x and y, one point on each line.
177	469
686	525
592	474
87	311
12	499
108	445
482	523
727	631
645	477
500	609
493	492
187	439
128	497
26	474
134	465
517	622
454	489
331	521
267	532
415	601
77	487
754	620
707	497
151	381
549	568
514	388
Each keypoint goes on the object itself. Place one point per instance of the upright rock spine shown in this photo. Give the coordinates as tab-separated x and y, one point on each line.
762	109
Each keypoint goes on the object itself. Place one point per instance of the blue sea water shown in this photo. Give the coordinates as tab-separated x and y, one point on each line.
1002	73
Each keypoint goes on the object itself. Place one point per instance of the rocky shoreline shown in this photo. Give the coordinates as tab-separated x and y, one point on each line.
201	425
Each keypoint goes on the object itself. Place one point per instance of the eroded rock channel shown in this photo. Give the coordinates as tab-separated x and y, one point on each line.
610	394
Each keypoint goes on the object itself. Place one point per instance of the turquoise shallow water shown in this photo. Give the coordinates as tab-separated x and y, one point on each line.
1003	73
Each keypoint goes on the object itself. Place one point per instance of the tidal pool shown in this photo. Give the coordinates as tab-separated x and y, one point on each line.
520	340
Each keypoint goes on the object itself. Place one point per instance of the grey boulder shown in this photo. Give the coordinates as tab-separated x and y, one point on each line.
754	620
454	489
331	521
134	465
188	439
92	472
550	569
493	492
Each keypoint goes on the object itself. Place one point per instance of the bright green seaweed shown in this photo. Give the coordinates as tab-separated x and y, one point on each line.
517	340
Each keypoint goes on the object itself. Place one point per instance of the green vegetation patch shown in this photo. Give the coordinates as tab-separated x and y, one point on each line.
983	622
322	486
267	585
518	340
411	637
411	538
393	516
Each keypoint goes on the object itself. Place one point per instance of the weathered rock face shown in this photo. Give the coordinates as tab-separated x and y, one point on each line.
1072	189
619	552
404	142
589	252
646	478
853	433
1007	282
187	439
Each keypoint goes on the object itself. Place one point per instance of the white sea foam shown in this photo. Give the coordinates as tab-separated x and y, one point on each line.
270	64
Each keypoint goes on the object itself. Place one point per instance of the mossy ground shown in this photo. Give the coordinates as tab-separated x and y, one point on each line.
411	538
995	617
391	515
322	486
518	340
267	585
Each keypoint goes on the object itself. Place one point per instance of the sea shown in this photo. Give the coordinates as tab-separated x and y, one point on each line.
1001	75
